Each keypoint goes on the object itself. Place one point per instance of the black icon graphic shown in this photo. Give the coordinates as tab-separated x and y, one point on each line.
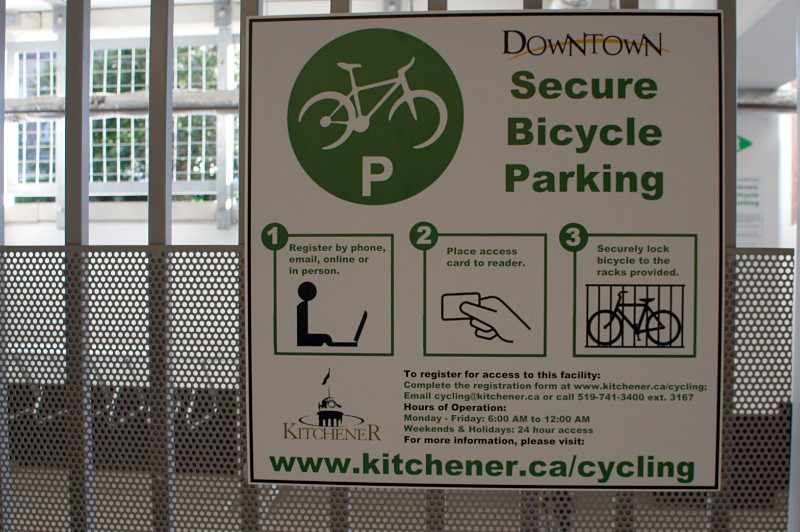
329	412
308	291
491	317
656	312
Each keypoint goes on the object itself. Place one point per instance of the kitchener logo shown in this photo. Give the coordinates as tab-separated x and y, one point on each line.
330	423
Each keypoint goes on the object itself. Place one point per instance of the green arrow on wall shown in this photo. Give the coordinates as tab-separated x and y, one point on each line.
742	143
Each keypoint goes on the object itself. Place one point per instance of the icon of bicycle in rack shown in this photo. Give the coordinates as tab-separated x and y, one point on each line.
349	113
661	327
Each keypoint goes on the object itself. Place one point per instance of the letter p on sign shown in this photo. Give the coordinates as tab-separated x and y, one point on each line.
382	167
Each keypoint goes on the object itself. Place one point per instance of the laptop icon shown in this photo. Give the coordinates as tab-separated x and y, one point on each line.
308	291
354	343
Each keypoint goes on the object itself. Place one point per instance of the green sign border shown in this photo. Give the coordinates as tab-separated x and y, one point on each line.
575	353
276	352
425	299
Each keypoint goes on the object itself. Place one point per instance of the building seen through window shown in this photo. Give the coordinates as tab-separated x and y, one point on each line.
204	138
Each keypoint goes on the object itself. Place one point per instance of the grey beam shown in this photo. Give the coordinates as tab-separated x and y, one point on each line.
728	8
249	8
340	6
133	103
2	119
623	503
224	140
227	102
339	505
161	68
159	234
773	100
719	518
249	499
60	126
76	156
5	458
794	470
435	499
532	4
338	498
76	233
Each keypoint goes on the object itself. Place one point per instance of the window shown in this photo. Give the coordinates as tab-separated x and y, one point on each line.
37	74
202	138
119	149
118	71
194	147
196	67
36	152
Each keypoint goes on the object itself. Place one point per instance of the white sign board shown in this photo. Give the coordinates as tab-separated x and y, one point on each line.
485	250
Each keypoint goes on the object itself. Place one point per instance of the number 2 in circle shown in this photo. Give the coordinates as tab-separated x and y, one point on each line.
423	236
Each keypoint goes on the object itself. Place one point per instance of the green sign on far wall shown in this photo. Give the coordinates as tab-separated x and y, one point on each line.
742	143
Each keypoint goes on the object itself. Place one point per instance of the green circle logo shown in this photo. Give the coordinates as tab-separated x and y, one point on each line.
375	116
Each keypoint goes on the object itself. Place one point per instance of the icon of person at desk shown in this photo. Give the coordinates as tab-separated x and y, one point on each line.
308	291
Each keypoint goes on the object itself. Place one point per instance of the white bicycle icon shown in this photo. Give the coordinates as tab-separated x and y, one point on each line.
358	121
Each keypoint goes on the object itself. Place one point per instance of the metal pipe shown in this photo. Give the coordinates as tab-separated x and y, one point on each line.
794	470
159	234
2	121
161	69
76	113
340	6
5	455
129	104
728	8
717	510
249	8
227	102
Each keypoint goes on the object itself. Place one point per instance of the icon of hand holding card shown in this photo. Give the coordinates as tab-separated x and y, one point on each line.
490	316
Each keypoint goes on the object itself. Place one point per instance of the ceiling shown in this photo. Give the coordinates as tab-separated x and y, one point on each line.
765	28
748	11
45	5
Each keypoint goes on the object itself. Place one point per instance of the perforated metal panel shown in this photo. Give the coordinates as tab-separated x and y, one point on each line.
123	409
